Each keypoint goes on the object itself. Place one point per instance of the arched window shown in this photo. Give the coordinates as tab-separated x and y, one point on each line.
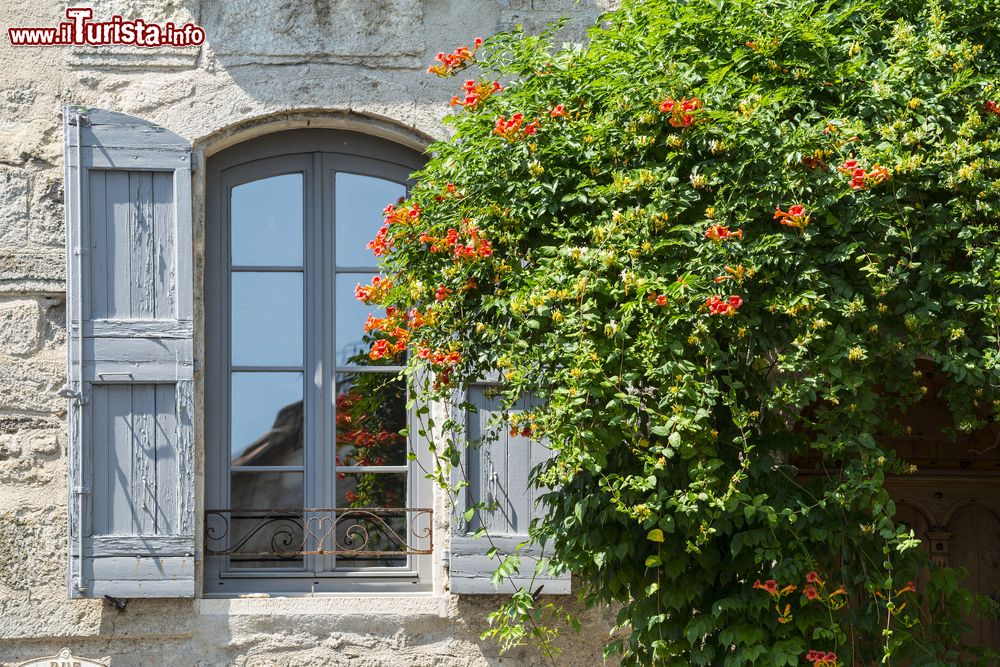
308	484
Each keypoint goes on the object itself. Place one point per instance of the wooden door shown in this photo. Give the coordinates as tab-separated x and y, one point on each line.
958	518
952	501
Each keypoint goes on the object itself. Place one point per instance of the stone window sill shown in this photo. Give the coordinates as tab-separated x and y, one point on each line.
387	604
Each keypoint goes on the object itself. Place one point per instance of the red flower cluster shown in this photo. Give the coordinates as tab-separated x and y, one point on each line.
360	437
718	306
416	319
515	128
443	362
558	110
399	337
380	349
860	178
795	216
439	358
452	63
387	348
776	592
476	246
344	403
682	113
992	107
822	659
373	292
401	215
475	93
720	233
393	320
659	299
736	273
382	243
450	190
771	586
441	293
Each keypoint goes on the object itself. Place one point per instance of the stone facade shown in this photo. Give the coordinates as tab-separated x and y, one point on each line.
266	65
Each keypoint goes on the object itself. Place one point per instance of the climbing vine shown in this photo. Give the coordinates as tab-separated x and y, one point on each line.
714	244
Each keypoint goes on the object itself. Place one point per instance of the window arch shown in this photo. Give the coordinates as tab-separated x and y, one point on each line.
308	484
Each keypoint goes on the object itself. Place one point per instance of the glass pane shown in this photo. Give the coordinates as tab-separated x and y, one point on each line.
360	201
266	424
352	341
371	411
267	222
267	319
267	538
379	536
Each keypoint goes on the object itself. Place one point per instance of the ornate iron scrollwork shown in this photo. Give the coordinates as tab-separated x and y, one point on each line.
343	531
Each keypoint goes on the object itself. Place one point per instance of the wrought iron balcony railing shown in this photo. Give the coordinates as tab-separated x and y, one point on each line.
343	531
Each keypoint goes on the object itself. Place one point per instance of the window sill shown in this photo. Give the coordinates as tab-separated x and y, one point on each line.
408	605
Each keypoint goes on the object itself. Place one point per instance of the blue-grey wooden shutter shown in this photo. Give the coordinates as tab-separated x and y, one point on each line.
129	293
498	471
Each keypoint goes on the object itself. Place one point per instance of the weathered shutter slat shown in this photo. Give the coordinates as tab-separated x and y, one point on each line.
129	292
498	471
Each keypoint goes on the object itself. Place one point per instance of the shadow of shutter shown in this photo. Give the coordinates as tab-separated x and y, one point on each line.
498	471
129	293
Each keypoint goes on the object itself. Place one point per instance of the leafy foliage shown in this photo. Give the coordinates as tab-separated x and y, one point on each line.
715	243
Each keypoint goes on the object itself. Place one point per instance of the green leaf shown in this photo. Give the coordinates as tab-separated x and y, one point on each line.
655	535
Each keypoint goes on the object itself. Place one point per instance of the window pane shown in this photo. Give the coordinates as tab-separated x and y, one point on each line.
266	424
360	200
371	411
269	538
368	532
267	319
267	222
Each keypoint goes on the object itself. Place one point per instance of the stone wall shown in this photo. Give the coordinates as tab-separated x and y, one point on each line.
266	64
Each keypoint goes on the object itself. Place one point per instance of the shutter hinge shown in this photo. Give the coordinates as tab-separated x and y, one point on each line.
78	117
66	392
72	395
81	490
196	364
193	159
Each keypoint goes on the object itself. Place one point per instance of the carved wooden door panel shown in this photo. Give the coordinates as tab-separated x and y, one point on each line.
958	518
952	501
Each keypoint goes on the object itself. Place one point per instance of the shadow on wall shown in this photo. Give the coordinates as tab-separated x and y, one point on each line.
355	53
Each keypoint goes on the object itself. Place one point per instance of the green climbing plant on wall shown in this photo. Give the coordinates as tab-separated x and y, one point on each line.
714	243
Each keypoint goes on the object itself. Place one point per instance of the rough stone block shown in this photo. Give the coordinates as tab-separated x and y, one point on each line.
29	550
32	271
13	207
47	224
375	33
31	458
31	384
21	326
138	57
